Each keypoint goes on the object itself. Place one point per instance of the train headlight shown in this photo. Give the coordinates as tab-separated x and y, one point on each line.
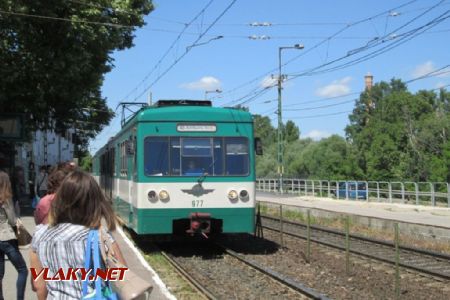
233	195
163	195
152	196
243	195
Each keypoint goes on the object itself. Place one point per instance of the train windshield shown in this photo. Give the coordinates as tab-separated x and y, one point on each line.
196	156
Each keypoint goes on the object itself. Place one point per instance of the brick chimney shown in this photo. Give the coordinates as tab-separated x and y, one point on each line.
368	81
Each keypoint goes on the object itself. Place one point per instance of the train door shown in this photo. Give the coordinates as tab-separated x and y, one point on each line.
132	177
111	173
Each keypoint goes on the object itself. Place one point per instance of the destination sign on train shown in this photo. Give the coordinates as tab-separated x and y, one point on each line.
196	127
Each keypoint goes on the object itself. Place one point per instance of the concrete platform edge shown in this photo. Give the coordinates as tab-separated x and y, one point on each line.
155	276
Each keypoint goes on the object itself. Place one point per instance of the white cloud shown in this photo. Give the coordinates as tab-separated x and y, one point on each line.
268	81
440	85
336	88
316	134
207	83
423	69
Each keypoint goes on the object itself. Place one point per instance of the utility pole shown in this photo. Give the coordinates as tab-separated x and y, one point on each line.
280	118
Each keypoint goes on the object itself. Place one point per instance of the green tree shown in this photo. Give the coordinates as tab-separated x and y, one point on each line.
53	66
399	135
86	161
291	132
330	158
264	129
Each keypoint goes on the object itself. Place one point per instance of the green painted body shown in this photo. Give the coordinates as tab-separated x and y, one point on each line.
159	221
153	121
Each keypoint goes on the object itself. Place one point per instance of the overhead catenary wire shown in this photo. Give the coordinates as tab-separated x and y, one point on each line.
430	74
66	19
320	43
415	31
412	33
320	107
179	58
177	39
187	50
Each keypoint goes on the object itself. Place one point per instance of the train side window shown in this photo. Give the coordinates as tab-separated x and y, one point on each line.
236	156
156	156
123	159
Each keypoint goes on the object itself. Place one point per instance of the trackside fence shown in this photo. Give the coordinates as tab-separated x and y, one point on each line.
417	193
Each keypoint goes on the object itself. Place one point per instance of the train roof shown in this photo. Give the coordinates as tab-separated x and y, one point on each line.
191	112
185	111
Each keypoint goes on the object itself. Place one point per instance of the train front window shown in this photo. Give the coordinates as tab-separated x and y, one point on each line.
156	156
195	156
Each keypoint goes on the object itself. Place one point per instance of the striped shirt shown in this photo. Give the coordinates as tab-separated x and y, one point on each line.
61	247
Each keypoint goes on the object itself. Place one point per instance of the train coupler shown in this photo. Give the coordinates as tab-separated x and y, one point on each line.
200	223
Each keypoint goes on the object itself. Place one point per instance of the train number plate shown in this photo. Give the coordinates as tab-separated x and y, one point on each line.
197	203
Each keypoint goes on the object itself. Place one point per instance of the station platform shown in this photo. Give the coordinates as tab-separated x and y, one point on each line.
134	259
427	221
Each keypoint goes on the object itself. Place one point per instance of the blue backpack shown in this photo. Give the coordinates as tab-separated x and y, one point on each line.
102	290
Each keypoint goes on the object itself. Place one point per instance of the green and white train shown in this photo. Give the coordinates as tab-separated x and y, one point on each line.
182	167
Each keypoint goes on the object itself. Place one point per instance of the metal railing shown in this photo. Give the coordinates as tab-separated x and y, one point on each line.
407	192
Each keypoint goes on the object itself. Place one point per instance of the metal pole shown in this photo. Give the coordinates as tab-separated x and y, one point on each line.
280	125
308	235
347	245
320	188
397	262
280	117
390	192
329	189
281	226
433	196
448	194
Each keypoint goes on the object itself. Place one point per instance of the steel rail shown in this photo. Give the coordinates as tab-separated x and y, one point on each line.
195	283
432	255
309	292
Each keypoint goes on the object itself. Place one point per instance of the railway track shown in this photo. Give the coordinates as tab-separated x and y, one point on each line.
220	273
423	261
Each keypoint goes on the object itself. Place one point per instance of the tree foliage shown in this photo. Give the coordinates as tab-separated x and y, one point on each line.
401	135
393	134
53	62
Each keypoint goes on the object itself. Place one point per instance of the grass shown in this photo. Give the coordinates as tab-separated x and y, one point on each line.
338	222
175	283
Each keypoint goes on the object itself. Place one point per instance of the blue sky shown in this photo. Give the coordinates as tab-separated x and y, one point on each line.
239	59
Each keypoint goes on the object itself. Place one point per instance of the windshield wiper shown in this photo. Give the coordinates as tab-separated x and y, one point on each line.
203	176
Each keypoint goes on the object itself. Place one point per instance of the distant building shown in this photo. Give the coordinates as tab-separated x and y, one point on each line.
23	159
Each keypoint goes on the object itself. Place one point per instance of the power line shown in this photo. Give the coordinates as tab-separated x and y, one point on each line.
322	106
322	99
322	42
323	115
430	74
392	13
187	49
169	49
66	20
406	37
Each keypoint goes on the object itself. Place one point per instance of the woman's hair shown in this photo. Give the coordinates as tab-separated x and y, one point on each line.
79	200
54	180
5	188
